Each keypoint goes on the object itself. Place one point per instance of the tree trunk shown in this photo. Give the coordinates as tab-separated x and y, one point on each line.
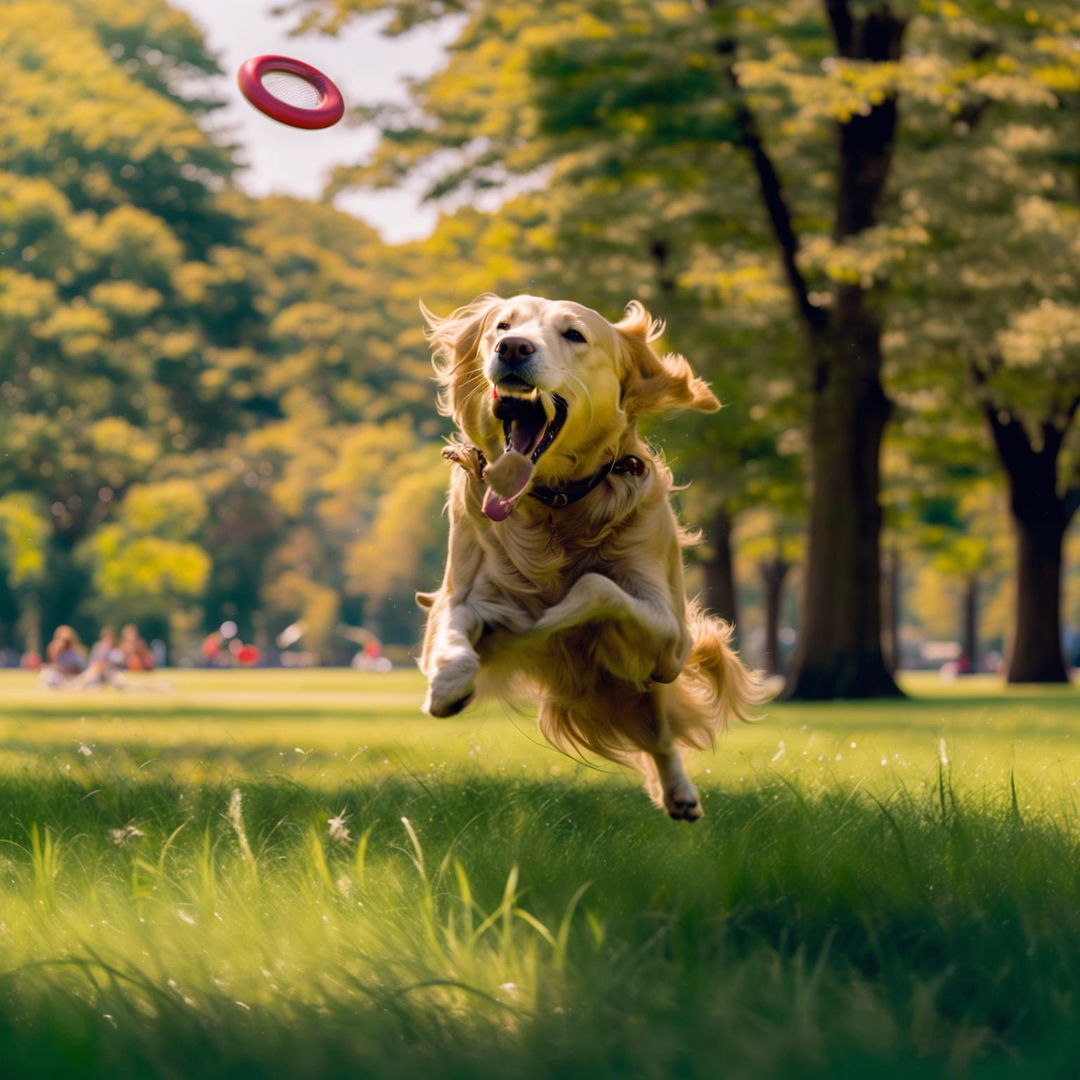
890	599
720	594
1036	655
773	573
969	627
839	654
839	649
30	625
1041	517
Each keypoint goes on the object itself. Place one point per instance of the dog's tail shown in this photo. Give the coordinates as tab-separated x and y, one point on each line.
714	675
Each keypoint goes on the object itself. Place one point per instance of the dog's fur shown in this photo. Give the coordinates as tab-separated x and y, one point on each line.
582	608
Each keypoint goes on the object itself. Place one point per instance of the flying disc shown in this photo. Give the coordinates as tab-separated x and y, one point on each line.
290	92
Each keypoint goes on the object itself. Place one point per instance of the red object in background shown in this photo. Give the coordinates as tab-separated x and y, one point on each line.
318	105
373	650
211	647
248	655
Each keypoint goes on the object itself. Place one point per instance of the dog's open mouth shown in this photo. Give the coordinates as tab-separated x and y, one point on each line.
531	422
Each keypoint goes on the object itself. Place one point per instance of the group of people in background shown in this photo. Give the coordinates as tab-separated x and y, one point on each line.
69	666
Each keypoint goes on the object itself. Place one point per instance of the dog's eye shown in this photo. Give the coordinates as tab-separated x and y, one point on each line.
574	335
503	326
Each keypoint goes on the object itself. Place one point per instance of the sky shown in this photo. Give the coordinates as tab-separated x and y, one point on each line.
366	66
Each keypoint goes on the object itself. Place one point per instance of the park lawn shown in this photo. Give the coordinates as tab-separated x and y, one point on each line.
287	873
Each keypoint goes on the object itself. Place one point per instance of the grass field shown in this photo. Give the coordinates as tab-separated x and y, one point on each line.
296	874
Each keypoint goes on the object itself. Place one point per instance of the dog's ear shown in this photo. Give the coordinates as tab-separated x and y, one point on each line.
653	383
454	341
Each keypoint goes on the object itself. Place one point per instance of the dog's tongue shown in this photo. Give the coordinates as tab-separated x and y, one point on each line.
507	478
521	438
496	507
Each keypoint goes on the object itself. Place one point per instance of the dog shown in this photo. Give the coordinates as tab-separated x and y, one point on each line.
564	577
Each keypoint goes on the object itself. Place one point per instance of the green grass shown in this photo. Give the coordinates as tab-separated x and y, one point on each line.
888	889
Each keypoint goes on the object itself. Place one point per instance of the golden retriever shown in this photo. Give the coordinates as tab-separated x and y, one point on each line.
564	579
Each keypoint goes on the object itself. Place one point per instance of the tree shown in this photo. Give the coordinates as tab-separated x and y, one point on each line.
963	534
619	92
405	543
127	313
24	534
145	565
620	88
992	302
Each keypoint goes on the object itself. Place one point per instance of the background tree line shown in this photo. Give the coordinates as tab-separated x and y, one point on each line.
861	221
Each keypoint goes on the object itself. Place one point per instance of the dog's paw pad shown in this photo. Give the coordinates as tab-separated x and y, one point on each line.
451	690
685	811
454	707
442	707
672	659
669	667
681	803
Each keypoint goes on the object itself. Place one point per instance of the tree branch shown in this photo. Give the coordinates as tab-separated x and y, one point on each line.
1070	501
1070	413
842	25
1032	473
1010	439
771	187
866	142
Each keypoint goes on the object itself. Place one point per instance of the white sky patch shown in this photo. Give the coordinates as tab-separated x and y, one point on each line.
366	66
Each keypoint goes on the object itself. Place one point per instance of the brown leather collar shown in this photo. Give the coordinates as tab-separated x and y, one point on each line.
471	458
557	498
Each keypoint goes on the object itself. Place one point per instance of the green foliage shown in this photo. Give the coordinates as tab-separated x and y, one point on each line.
152	319
145	565
201	387
110	189
173	509
24	532
145	574
676	144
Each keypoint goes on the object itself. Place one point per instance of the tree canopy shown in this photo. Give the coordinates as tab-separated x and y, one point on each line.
859	220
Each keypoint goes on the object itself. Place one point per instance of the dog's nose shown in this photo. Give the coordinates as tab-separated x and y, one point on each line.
514	351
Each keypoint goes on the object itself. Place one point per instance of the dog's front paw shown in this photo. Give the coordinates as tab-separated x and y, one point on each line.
670	662
681	800
591	598
452	687
668	669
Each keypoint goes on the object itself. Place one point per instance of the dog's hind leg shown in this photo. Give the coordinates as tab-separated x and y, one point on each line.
673	791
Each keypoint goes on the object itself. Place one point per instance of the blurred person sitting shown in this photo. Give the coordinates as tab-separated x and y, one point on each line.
65	659
136	654
104	663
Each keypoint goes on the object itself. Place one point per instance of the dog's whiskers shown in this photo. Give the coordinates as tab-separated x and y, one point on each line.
473	381
584	391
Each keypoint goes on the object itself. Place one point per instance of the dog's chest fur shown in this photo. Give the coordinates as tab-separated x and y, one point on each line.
537	554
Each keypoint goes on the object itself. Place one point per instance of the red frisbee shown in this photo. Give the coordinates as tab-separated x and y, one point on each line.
290	91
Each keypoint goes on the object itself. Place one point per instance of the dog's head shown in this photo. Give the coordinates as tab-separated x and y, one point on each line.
552	383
